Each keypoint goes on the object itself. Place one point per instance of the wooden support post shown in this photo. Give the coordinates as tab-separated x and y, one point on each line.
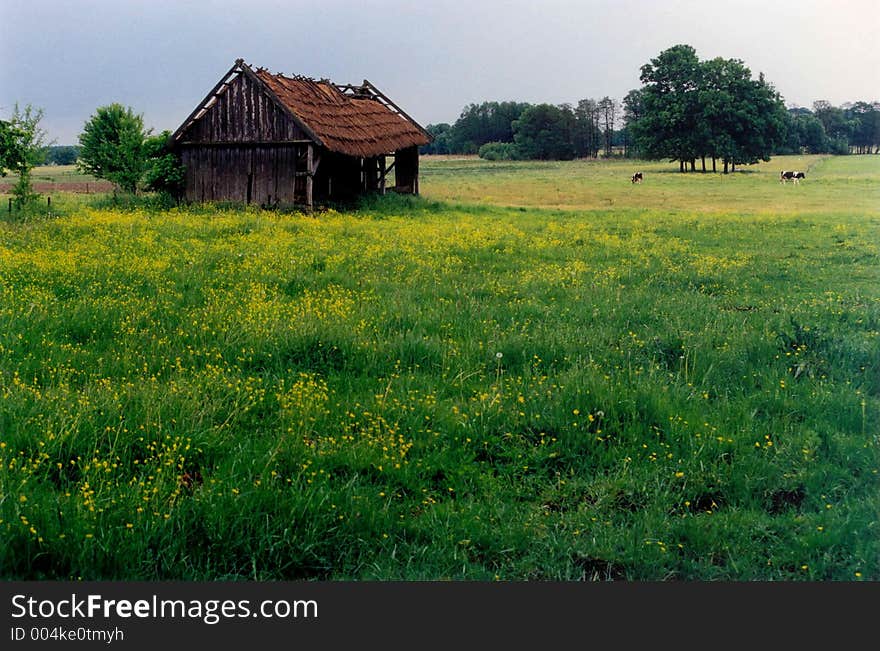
381	175
309	179
416	172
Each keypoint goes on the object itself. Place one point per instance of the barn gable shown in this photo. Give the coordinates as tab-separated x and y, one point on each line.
239	111
271	139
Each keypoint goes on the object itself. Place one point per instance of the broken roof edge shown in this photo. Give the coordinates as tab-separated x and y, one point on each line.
394	107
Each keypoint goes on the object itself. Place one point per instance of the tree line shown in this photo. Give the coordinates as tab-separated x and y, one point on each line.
61	154
687	110
519	130
853	128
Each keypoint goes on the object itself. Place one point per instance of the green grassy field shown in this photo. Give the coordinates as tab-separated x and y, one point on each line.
54	174
843	184
535	371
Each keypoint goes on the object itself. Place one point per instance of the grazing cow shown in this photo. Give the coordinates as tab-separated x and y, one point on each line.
637	177
787	175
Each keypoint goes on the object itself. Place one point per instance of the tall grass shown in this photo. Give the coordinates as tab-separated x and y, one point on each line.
424	389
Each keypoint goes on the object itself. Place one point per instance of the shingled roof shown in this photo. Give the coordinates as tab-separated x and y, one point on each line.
352	120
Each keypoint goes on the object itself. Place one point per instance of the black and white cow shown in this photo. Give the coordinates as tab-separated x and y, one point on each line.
788	175
637	177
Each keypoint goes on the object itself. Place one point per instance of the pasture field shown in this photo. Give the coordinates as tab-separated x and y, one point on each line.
52	179
844	184
535	371
54	174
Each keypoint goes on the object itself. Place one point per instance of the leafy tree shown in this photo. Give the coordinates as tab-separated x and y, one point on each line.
587	136
165	173
22	150
762	120
670	100
608	113
715	124
837	126
804	133
503	117
10	151
544	132
812	134
742	120
691	109
113	146
633	110
442	133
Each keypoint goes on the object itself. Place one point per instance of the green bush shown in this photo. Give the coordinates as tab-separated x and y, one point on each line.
499	151
165	173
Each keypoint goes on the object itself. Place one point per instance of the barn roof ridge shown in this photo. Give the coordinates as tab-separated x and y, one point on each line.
342	87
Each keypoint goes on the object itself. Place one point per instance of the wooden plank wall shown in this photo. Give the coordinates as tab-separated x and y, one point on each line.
244	117
221	173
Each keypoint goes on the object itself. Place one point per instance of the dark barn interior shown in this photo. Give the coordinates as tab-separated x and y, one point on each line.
273	140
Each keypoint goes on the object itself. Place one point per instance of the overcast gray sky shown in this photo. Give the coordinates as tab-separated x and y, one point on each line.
161	57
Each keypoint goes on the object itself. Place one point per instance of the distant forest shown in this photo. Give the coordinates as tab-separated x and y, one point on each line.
687	110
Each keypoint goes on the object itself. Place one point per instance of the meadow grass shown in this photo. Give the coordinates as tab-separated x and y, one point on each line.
53	174
534	371
833	185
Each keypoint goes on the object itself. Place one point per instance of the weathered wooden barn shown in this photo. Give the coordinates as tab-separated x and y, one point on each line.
274	140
